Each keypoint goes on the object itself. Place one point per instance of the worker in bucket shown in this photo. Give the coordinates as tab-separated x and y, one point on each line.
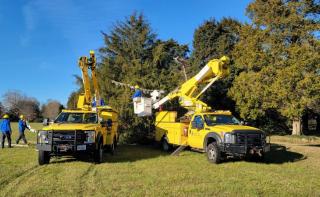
6	131
22	126
137	93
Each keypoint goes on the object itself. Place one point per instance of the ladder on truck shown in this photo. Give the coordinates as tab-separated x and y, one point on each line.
179	149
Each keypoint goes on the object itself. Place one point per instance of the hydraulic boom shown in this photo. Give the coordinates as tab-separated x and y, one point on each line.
85	99
189	94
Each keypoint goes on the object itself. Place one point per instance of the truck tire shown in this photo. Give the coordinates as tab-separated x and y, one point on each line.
165	146
113	147
213	153
98	154
43	157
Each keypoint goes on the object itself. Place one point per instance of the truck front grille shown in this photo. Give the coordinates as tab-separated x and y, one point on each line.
68	137
248	138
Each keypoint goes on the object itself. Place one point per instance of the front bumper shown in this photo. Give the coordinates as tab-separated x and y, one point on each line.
66	148
236	149
247	142
66	142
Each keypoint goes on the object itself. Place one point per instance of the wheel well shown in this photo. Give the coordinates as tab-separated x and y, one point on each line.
210	140
164	137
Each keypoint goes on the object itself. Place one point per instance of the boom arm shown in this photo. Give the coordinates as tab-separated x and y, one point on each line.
92	66
85	63
214	70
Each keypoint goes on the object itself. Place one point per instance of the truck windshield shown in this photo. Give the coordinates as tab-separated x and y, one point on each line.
82	118
214	119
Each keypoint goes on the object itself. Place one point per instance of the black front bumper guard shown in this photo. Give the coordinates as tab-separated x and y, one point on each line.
64	148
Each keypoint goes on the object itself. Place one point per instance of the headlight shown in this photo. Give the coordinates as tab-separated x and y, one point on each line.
90	136
229	138
43	137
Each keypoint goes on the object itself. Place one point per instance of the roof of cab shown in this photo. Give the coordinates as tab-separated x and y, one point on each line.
219	112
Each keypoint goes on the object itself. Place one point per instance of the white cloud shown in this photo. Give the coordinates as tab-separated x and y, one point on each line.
29	17
30	21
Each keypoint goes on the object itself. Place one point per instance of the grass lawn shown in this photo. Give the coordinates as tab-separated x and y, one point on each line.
291	169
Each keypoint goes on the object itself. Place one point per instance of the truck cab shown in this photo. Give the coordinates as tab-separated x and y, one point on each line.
217	133
76	132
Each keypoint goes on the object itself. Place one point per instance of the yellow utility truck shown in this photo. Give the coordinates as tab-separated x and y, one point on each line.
89	129
218	133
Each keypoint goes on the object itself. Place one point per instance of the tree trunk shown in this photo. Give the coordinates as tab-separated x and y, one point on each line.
318	123
296	127
305	123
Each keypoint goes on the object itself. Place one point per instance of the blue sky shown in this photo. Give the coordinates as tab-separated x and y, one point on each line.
42	39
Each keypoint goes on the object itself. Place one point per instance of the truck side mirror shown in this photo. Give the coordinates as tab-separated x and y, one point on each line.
109	123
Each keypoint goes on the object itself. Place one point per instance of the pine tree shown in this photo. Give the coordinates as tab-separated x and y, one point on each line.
133	55
212	40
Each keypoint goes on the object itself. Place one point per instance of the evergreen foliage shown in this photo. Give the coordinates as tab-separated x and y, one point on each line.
278	55
212	40
132	54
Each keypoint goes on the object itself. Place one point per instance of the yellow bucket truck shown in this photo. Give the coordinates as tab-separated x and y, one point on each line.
218	133
89	129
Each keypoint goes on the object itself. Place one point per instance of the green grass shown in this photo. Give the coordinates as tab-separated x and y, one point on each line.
290	170
303	139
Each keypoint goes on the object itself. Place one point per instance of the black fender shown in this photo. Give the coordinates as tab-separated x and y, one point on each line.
211	135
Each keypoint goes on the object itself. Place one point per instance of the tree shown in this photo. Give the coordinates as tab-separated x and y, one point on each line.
51	109
278	55
73	100
212	40
133	55
1	109
16	104
73	97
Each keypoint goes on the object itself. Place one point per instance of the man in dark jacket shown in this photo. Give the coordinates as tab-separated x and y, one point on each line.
6	131
22	126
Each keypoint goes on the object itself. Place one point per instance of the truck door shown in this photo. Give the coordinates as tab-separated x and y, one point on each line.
197	125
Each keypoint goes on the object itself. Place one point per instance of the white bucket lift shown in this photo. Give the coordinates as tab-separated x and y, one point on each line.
142	106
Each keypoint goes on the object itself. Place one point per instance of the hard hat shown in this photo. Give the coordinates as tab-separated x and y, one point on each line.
91	51
21	116
6	116
136	87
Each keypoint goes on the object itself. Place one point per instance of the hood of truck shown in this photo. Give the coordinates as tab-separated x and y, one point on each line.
230	128
68	126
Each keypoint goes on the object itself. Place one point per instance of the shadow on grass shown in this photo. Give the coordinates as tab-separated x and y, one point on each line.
280	154
123	153
313	145
131	153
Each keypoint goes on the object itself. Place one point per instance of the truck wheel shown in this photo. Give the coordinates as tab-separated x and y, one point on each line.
165	145
213	153
113	147
43	157
260	158
98	154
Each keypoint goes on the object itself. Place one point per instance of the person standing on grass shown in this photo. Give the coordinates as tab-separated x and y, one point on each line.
22	126
6	131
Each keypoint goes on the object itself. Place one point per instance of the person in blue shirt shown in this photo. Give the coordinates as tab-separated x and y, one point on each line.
137	93
22	126
6	131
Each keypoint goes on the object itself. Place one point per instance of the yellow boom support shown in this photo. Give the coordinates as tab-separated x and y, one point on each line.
84	101
214	70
